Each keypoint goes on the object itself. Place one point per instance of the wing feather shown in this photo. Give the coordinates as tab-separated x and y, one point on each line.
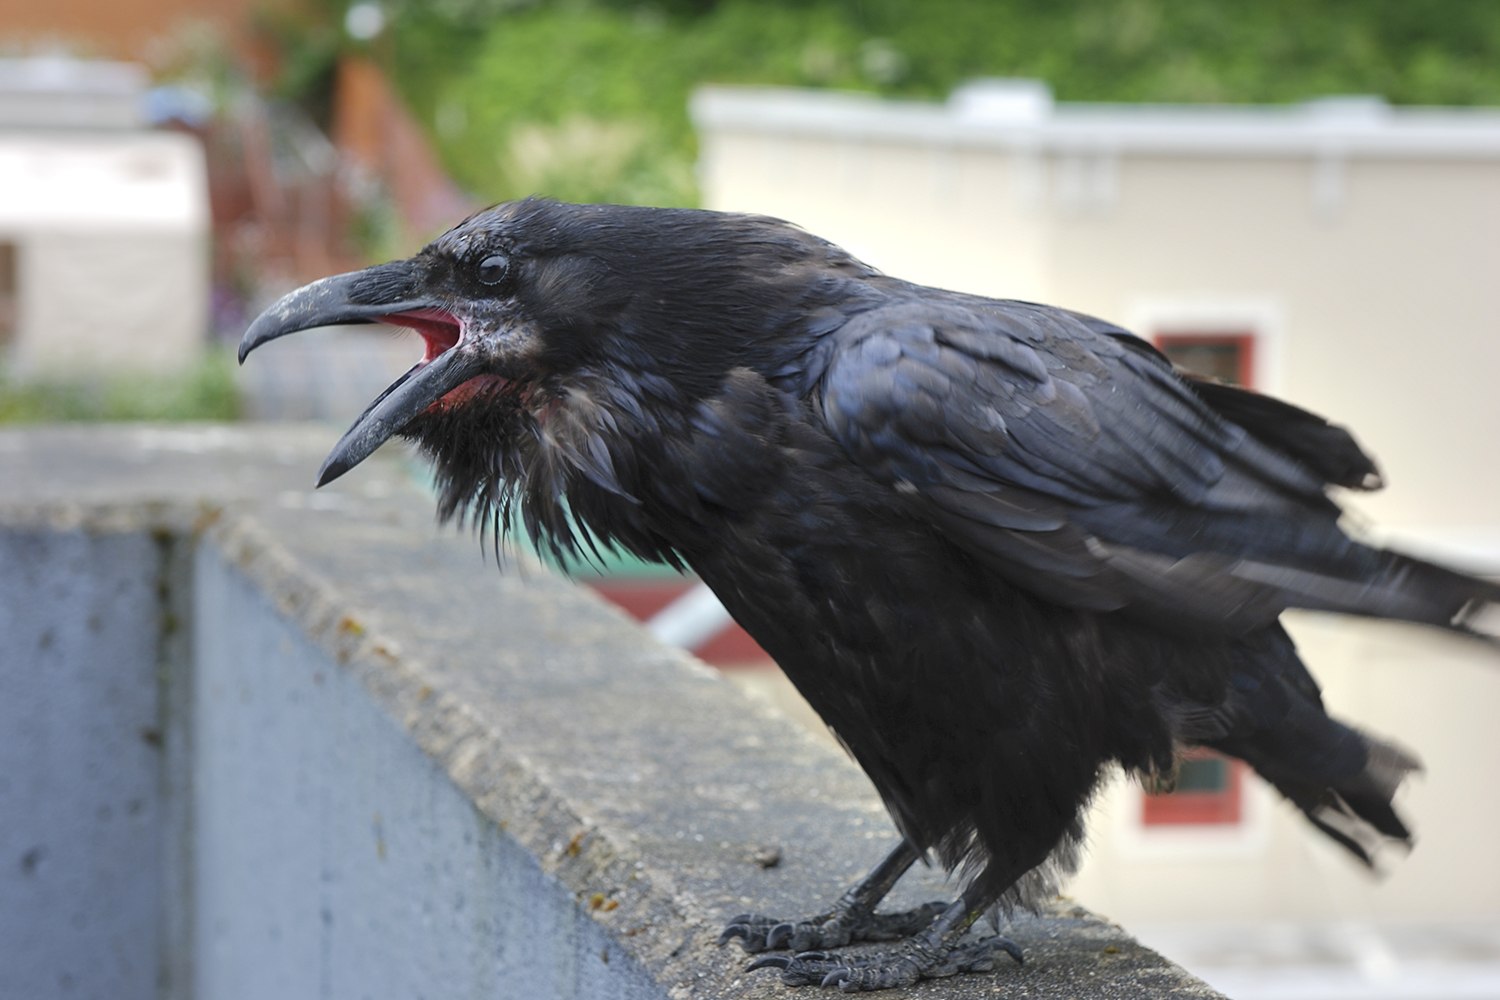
1081	466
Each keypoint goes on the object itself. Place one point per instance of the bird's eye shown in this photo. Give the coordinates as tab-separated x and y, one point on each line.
492	269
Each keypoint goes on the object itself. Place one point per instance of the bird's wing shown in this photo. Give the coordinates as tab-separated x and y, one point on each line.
1073	460
1326	448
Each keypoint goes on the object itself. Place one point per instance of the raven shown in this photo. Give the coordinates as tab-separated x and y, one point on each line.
1000	547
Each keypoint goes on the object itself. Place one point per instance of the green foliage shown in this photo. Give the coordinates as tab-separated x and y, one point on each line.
309	38
206	391
588	100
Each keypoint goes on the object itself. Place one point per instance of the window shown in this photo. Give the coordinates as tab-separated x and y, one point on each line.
9	300
1208	793
1208	790
1229	357
1236	338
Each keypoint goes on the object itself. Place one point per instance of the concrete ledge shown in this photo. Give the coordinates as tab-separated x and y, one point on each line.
388	769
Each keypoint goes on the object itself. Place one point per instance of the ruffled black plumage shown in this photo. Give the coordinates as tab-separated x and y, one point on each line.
1000	547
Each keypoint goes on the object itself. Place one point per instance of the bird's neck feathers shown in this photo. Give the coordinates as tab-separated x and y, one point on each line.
556	463
674	319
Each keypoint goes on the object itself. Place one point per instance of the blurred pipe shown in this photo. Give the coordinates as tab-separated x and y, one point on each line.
691	620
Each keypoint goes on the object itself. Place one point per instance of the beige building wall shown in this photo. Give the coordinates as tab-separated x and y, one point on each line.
955	218
108	237
1383	304
1360	248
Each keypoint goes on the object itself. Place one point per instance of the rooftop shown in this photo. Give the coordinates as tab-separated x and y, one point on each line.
1022	114
54	92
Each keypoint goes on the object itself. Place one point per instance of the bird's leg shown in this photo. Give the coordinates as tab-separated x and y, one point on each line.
852	918
936	952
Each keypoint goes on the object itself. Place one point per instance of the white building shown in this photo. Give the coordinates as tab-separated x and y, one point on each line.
104	225
1342	254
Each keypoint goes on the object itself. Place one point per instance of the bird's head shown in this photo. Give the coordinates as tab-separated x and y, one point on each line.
523	303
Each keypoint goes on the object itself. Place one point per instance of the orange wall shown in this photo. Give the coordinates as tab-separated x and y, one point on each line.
125	29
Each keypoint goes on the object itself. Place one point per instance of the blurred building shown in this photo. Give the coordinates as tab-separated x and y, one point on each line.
104	224
297	189
1341	254
137	29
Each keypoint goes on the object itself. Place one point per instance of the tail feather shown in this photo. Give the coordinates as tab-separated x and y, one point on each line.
1369	793
1434	594
1342	779
1386	584
1348	578
1353	805
1480	618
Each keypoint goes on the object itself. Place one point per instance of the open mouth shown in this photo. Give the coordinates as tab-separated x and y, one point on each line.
441	331
449	373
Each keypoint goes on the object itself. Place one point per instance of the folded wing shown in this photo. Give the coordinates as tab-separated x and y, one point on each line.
1072	459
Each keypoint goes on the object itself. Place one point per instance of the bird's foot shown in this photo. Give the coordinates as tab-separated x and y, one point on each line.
835	929
919	958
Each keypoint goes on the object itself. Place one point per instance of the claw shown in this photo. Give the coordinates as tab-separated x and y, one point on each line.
1012	949
733	931
837	977
779	935
769	962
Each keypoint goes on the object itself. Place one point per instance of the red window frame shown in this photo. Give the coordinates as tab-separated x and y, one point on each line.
1243	342
1221	806
1216	807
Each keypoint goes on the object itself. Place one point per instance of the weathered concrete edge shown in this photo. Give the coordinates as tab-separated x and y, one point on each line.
671	928
566	841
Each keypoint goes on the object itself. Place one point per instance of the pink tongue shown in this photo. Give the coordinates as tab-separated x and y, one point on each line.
438	329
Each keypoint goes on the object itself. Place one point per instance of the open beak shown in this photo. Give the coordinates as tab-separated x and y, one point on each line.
382	294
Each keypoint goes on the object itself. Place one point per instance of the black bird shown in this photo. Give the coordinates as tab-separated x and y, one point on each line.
1000	547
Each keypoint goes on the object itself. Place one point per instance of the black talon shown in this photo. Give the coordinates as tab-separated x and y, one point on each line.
942	949
769	962
934	935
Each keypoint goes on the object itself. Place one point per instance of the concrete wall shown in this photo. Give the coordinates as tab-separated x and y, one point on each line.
81	803
256	742
333	861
